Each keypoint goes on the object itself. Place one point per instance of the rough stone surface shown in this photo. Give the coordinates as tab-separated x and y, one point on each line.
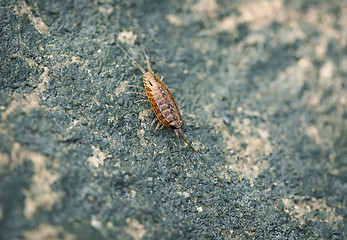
262	86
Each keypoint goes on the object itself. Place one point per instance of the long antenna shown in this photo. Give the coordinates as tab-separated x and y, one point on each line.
196	153
126	53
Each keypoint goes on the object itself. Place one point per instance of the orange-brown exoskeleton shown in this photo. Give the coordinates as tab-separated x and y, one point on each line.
163	104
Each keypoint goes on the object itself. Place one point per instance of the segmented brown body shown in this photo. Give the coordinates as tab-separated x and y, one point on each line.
163	104
162	101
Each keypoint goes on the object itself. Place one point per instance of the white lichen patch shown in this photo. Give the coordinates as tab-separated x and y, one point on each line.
208	7
98	157
262	13
174	20
22	8
135	229
26	102
246	150
315	209
199	209
96	223
312	132
140	134
184	194
46	231
133	193
127	37
292	79
105	8
39	194
146	121
257	14
122	88
4	160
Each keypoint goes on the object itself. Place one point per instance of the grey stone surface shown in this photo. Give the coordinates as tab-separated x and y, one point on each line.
262	89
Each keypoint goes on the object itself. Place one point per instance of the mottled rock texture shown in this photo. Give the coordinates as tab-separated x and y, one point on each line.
262	86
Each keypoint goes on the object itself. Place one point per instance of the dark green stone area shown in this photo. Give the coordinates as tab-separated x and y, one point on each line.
12	200
262	90
9	33
15	73
40	130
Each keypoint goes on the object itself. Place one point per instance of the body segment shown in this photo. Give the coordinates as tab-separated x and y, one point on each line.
162	101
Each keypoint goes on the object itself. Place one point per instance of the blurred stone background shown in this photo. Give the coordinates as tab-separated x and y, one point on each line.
262	86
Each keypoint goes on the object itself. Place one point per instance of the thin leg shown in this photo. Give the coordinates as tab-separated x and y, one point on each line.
155	119
162	78
179	147
149	109
136	87
138	93
162	126
142	100
148	63
157	126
